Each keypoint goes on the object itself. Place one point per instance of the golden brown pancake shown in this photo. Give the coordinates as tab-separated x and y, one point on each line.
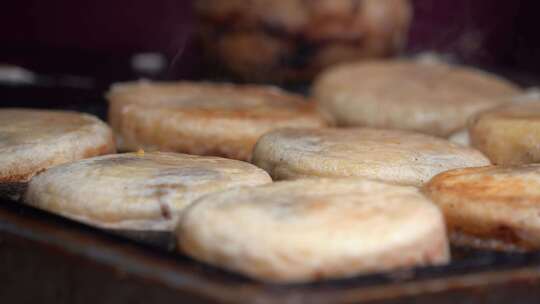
33	140
494	207
203	118
292	40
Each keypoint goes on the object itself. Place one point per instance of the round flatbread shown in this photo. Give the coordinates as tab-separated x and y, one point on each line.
508	135
33	140
136	191
531	94
425	96
492	207
203	118
314	229
393	156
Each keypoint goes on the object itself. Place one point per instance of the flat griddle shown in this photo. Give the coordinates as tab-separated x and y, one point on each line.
48	258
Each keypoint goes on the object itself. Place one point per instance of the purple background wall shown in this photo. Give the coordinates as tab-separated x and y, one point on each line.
96	37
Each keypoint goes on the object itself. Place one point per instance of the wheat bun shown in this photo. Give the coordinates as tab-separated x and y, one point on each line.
493	207
392	156
292	40
33	140
531	94
136	191
425	96
203	118
508	135
314	229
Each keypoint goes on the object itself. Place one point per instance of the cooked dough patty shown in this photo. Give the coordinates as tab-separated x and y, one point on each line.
493	207
531	94
508	135
32	140
136	191
429	97
203	118
388	155
314	229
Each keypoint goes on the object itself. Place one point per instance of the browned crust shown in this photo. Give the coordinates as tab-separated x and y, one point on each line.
24	177
497	237
151	95
307	110
238	144
474	231
137	113
14	186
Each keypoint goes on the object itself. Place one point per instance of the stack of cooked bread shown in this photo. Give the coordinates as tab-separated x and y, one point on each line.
317	201
292	40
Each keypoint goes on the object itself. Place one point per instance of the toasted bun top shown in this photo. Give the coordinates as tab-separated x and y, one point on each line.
31	140
388	155
136	191
229	100
513	184
493	207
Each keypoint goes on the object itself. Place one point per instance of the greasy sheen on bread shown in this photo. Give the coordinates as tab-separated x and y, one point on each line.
314	229
136	191
426	96
393	156
493	207
33	140
510	134
203	118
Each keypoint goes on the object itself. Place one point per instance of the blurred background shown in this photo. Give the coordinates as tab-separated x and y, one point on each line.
98	42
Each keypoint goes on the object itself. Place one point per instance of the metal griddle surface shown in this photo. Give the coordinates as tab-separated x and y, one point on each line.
48	258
